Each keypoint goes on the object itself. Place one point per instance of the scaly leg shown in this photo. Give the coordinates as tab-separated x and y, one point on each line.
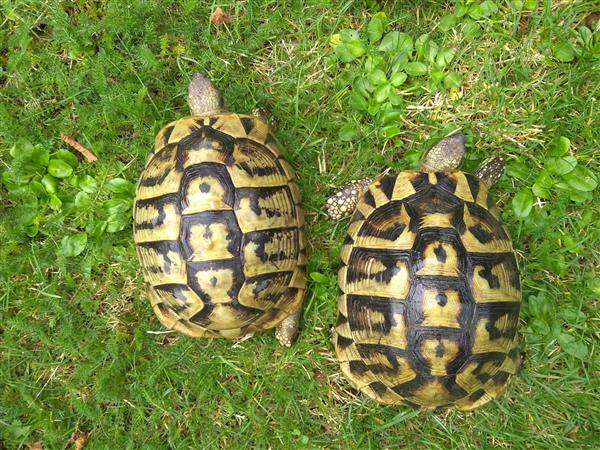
343	202
490	170
287	330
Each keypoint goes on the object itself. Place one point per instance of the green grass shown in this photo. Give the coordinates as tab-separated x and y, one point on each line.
76	352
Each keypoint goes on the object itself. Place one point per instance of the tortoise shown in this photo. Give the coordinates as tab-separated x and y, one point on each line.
218	225
430	289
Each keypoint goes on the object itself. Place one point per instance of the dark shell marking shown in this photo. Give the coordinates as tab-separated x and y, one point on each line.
218	228
430	293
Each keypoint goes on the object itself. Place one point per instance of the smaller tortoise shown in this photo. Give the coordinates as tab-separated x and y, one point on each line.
430	286
218	225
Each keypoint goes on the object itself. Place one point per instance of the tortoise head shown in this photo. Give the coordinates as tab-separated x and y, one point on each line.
447	154
203	96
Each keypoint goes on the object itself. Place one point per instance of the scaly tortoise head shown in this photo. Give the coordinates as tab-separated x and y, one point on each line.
204	98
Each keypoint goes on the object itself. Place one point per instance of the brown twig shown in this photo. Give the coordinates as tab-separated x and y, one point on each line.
70	140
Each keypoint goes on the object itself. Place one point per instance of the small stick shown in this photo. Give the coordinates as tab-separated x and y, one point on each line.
70	140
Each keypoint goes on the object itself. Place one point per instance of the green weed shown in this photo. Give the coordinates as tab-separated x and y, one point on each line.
393	66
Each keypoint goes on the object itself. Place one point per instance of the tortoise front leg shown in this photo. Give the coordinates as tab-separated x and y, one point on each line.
491	170
266	117
343	202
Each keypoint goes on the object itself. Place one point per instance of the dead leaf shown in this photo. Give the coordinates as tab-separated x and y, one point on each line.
573	433
219	17
35	446
79	438
524	24
592	20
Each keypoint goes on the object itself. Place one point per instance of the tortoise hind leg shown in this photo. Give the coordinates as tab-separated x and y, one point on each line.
287	330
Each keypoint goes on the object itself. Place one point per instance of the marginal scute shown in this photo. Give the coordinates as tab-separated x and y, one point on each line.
258	131
342	308
231	125
353	228
431	395
299	278
345	252
162	262
263	292
287	302
227	316
430	293
178	297
161	175
379	196
162	139
157	219
287	168
463	188
295	191
364	208
218	228
300	216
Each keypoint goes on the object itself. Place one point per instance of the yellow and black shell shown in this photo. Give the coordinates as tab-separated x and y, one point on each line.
218	228
430	293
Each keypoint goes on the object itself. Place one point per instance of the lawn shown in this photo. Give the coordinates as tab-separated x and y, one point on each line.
82	356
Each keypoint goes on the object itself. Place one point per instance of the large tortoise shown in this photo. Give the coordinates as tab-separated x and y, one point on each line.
218	225
430	286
